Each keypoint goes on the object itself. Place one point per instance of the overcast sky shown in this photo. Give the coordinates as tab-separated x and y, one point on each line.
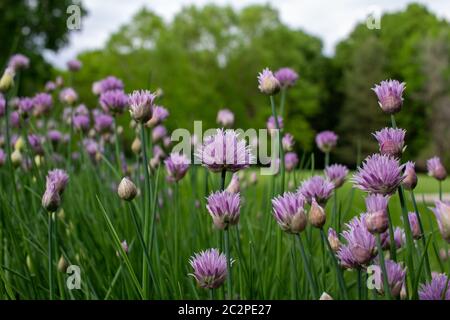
331	20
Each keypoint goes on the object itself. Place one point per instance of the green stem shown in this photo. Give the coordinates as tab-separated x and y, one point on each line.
339	274
422	232
222	179
294	275
148	194
392	245
69	144
281	154
50	257
117	148
327	159
440	190
307	268
324	263
359	283
227	252
283	101
387	290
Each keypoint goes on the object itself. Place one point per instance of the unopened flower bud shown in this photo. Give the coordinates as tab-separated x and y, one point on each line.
127	189
410	177
333	239
136	146
51	200
234	186
377	222
299	221
29	263
62	265
317	216
16	158
325	296
7	80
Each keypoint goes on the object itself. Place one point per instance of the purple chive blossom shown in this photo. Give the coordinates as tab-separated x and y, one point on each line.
50	86
391	141
82	110
176	166
2	157
414	224
271	124
318	188
225	150
159	115
290	161
14	119
141	105
18	61
2	105
74	65
326	141
286	77
224	208
158	133
54	136
442	213
336	173
437	289
376	218
42	103
409	177
92	148
68	96
379	174
396	277
360	247
108	84
399	238
288	142
267	83
35	144
436	169
210	268
114	101
26	106
389	95
81	122
225	118
289	212
103	122
58	178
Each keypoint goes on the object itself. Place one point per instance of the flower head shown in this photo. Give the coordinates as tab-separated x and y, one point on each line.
141	105
336	173
210	268
376	218
81	122
58	178
159	115
379	174
360	247
288	142
409	176
74	65
35	144
290	161
267	83
272	125
176	166
286	76
396	277
26	106
436	169
389	95
54	136
391	141
224	208
107	84
442	213
103	122
42	103
289	212
158	133
415	226
437	289
225	118
19	61
326	141
2	105
127	190
114	101
68	95
318	188
225	150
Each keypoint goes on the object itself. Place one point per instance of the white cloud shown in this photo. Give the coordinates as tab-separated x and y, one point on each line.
328	19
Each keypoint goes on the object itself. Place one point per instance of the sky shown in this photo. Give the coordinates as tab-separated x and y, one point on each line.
331	20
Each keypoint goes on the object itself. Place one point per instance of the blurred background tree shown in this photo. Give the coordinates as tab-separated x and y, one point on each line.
30	27
207	58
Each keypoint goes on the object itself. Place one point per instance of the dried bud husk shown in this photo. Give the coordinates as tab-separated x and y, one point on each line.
62	265
136	146
127	189
16	158
317	216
